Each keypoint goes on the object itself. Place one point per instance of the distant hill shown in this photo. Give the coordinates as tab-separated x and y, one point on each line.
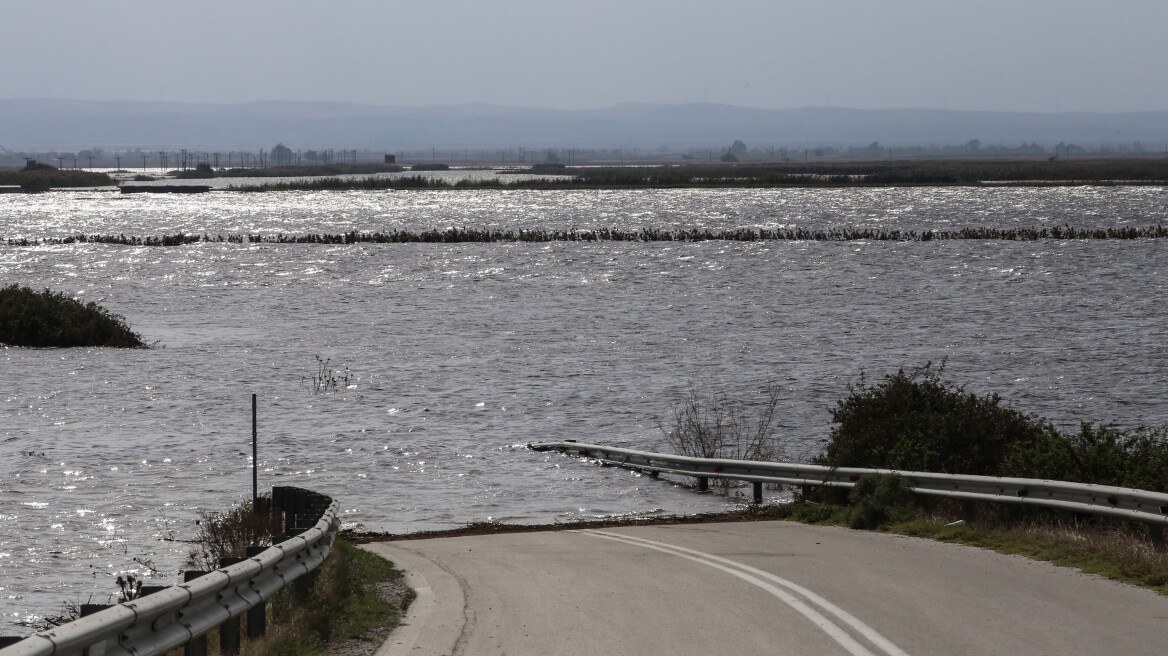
70	125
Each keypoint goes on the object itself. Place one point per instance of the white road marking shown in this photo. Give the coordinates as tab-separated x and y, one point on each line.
755	577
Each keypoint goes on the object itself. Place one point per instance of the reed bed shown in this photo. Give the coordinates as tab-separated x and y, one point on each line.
1145	171
489	235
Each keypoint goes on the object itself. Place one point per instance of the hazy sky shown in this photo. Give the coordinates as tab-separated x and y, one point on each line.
1029	55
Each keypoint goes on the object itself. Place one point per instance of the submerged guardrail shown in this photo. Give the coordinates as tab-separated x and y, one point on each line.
182	614
1150	508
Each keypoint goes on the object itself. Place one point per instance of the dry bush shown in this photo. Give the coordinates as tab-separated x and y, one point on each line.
229	534
715	426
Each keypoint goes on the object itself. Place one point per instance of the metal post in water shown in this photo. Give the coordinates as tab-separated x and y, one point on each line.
255	479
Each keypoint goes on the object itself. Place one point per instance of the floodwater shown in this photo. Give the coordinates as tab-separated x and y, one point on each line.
449	358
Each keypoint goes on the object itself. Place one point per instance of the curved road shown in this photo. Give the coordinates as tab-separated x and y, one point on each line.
755	588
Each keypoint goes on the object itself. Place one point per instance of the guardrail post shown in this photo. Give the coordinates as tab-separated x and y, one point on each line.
257	616
1012	513
90	609
1156	535
968	511
703	484
198	644
758	491
281	504
229	630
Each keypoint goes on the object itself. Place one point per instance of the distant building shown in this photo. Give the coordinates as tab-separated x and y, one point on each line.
391	159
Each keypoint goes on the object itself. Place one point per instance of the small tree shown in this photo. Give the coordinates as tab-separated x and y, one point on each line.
281	155
714	426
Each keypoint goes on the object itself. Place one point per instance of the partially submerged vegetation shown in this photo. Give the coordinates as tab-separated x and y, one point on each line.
539	235
715	426
35	177
51	319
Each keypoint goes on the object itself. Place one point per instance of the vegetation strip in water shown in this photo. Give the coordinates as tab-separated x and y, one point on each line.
488	235
36	177
1145	171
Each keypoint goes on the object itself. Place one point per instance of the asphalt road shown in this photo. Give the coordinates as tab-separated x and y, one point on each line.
755	588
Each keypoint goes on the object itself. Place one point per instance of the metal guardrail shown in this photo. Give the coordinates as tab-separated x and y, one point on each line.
159	622
1150	508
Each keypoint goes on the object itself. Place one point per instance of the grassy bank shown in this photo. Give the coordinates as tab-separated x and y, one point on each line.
355	596
1121	553
51	319
358	597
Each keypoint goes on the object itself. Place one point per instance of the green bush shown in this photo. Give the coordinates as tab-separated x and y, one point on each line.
879	499
915	421
1103	455
44	319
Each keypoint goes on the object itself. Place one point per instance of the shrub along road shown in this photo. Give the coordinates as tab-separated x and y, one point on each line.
755	588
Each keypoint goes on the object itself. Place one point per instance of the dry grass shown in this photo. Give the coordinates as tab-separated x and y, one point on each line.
1117	551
